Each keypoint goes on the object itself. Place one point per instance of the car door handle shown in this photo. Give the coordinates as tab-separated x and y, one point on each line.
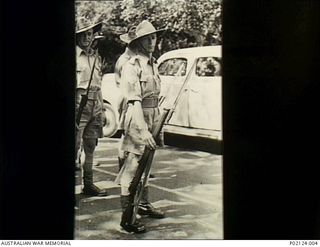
193	90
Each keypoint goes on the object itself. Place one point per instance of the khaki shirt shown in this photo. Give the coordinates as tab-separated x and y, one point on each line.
122	102
140	79
125	57
84	66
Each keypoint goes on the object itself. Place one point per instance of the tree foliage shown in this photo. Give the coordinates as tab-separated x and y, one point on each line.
188	23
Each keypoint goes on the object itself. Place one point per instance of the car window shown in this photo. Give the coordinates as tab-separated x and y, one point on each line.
173	67
208	66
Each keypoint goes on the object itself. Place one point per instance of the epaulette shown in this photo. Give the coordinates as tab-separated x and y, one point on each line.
126	56
122	60
135	59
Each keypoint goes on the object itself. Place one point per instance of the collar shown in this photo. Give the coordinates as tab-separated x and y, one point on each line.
145	60
79	51
129	52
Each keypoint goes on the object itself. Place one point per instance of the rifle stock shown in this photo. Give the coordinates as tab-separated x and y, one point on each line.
83	102
144	162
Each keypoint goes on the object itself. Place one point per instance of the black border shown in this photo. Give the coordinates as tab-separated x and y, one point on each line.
270	87
37	127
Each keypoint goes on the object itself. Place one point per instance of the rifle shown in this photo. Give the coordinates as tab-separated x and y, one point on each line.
84	97
136	187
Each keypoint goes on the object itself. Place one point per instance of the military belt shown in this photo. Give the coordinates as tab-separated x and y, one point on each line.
93	95
151	102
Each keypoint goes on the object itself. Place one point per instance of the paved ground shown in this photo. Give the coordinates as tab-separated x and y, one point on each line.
187	186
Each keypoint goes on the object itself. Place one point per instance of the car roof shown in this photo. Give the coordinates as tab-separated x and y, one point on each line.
193	52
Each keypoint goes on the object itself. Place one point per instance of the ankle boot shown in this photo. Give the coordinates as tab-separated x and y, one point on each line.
89	188
137	226
145	207
93	190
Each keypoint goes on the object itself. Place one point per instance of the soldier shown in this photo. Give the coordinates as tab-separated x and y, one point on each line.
122	103
140	84
93	117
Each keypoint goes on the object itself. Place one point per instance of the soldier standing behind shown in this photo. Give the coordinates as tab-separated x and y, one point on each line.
122	103
92	118
140	84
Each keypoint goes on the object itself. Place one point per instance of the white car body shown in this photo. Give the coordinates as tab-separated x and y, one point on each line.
199	110
111	95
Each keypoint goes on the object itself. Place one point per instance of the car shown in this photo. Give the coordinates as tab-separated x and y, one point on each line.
111	96
199	110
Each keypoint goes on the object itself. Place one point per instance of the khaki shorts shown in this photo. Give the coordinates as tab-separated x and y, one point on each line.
91	121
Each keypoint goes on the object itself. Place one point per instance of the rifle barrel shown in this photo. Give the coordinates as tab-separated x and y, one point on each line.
183	86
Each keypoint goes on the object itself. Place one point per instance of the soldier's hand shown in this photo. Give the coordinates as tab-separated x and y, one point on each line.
148	139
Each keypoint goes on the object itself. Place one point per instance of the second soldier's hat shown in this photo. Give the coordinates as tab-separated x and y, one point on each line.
143	29
84	24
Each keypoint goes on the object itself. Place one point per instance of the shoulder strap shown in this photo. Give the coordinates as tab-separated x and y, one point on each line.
135	61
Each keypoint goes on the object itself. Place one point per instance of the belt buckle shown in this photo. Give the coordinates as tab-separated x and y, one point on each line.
94	88
92	95
155	101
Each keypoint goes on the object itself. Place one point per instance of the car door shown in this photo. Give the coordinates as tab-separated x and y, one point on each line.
173	73
204	94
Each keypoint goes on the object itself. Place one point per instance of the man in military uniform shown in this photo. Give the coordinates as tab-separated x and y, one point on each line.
92	118
122	102
140	84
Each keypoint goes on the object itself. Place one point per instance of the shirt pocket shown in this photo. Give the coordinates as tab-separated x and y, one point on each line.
157	81
80	75
80	68
147	84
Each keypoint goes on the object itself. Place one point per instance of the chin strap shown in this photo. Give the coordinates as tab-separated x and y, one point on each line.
144	50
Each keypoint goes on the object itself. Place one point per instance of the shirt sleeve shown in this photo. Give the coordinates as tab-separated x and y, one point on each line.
130	82
84	72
